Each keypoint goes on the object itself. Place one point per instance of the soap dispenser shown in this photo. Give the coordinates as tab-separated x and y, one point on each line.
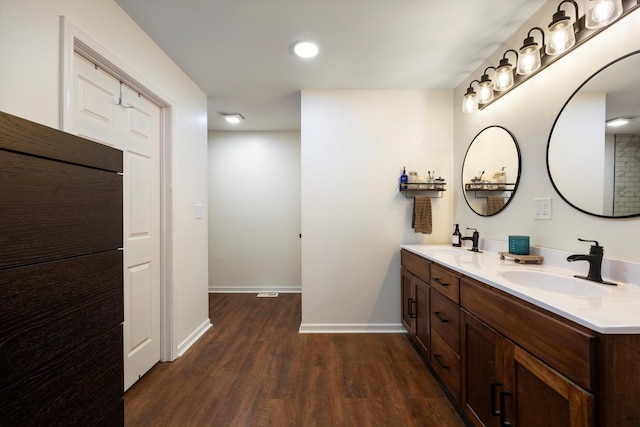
403	179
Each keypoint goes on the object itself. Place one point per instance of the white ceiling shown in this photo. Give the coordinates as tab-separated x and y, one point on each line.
237	51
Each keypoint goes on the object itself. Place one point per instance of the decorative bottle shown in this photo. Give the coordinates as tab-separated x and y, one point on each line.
403	179
456	238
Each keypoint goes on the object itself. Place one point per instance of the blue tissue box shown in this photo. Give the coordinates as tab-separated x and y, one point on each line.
519	245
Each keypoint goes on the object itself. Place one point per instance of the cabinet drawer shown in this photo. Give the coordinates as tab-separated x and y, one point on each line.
54	210
446	282
415	264
568	350
52	308
75	389
446	363
445	319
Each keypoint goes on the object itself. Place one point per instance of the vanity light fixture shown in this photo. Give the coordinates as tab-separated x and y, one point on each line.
562	35
485	88
233	118
470	100
504	73
602	12
529	60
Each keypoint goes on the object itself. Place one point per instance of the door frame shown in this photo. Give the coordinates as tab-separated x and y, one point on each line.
72	40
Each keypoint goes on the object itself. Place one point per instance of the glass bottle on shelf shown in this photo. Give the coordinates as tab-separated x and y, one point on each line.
404	179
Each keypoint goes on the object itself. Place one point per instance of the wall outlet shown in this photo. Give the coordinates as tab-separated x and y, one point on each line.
542	208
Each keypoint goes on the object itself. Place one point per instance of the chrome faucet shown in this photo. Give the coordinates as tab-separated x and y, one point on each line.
595	262
475	238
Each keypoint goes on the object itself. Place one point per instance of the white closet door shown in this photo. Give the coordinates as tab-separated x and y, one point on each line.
134	127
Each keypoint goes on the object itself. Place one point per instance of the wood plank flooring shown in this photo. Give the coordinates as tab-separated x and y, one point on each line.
253	368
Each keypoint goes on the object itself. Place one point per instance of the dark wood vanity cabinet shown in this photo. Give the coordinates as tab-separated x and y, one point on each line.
507	362
502	384
415	310
431	316
61	278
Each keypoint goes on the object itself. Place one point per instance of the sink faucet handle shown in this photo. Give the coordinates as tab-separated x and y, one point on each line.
590	241
472	229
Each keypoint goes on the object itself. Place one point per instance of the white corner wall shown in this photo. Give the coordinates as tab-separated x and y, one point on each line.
529	112
254	211
354	146
29	88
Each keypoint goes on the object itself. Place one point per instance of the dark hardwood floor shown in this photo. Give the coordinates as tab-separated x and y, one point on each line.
254	369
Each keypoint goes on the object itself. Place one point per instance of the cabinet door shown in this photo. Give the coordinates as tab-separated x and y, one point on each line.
538	395
408	299
422	320
482	356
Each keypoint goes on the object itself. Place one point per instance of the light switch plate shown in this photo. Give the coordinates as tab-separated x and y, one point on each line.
199	211
542	208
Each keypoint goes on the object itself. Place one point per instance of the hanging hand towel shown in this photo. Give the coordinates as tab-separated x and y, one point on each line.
494	204
421	221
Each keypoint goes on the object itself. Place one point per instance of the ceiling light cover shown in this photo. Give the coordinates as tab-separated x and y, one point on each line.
233	118
306	49
618	121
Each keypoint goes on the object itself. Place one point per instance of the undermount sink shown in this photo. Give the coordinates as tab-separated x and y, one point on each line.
551	282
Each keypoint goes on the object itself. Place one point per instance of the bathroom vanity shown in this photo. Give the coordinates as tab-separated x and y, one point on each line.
523	345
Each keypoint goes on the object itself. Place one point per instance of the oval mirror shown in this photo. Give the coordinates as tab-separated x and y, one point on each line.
593	164
491	171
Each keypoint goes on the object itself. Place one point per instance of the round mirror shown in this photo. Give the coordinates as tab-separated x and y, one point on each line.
491	170
593	154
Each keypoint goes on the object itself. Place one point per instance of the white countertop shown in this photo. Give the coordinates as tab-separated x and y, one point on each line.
615	309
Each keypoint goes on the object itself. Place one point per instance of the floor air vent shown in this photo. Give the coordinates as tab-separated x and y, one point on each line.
267	294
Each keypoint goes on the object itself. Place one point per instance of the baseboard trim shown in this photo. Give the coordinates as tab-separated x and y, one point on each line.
254	289
352	328
193	337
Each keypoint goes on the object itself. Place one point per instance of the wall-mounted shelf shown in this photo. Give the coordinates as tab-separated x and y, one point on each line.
429	189
488	188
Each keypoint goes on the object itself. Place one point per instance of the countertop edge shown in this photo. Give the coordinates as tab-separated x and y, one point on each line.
493	260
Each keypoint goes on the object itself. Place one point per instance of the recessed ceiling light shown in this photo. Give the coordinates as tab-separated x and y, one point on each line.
233	118
305	49
619	121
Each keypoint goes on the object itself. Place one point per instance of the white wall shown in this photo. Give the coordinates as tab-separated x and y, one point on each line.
29	88
354	146
529	112
254	211
584	144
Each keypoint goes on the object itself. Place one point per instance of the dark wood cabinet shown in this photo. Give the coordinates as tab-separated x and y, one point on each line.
61	278
482	361
408	298
508	362
415	310
504	385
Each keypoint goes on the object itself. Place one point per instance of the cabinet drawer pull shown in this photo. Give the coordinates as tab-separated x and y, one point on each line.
503	422
440	362
494	385
442	319
439	282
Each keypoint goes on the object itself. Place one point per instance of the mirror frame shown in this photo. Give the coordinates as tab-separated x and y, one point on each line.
636	52
516	182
